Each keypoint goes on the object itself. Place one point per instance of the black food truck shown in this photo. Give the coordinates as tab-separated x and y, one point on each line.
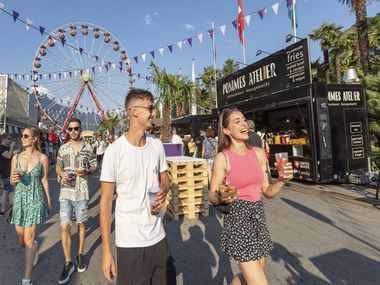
322	127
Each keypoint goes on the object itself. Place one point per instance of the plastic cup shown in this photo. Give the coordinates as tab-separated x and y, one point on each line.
281	161
152	191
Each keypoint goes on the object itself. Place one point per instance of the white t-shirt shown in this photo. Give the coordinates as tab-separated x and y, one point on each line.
100	147
176	139
134	170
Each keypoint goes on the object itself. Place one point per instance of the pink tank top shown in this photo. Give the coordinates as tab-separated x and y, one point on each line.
245	174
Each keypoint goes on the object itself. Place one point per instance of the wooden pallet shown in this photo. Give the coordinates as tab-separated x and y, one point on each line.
188	191
179	166
191	212
190	200
185	183
187	174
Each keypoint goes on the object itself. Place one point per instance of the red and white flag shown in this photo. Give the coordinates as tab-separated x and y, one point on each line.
241	21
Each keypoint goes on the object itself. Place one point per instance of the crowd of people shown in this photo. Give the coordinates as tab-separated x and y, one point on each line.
133	165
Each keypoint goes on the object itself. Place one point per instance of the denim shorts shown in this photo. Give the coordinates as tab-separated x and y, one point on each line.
7	184
69	208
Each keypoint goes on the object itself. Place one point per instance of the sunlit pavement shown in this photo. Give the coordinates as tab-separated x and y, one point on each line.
322	234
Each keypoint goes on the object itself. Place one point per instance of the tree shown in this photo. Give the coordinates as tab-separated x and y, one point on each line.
360	9
208	81
229	66
325	34
171	89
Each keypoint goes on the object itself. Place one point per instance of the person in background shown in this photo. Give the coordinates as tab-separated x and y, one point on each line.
75	161
7	148
101	146
31	203
174	138
254	140
209	148
245	236
199	143
191	147
133	164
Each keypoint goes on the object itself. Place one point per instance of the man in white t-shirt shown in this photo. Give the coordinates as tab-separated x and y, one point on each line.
133	164
174	138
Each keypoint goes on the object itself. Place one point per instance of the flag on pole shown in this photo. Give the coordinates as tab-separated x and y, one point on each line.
241	21
193	104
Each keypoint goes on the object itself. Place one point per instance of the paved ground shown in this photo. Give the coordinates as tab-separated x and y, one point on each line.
323	234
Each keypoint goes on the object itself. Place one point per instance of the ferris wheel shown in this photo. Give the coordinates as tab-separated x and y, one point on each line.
80	69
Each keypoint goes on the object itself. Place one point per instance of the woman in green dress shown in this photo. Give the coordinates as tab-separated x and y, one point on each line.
31	202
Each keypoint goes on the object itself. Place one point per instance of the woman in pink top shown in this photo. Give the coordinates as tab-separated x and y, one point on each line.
245	236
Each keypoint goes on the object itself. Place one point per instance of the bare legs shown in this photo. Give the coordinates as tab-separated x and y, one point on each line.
252	273
26	236
66	239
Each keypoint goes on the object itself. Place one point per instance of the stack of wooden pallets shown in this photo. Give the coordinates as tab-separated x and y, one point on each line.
189	192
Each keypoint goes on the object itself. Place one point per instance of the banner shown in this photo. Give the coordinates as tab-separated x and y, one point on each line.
284	69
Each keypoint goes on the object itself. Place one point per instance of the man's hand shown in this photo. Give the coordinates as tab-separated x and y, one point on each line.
64	176
109	267
160	201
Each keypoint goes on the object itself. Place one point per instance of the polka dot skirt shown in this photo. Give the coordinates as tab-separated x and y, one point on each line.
245	236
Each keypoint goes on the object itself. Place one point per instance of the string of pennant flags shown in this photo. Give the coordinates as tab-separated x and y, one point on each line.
125	66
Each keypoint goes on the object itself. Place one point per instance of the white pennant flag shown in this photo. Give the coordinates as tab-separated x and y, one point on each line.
65	75
100	69
248	19
161	50
200	37
75	73
180	43
113	66
55	75
223	29
28	23
275	8
143	56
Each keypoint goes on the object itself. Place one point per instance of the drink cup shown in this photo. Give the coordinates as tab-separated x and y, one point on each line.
227	191
281	160
71	178
152	192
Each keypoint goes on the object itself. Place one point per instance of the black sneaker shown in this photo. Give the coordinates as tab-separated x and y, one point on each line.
81	267
68	269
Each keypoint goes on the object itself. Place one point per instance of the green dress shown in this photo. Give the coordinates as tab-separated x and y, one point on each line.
29	203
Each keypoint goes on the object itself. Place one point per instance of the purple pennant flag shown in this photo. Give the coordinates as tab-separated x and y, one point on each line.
81	51
120	68
152	53
190	41
235	24
121	63
138	75
106	66
261	13
289	3
59	75
93	69
136	59
15	15
96	58
63	42
70	73
40	76
49	75
42	30
211	33
170	48
81	72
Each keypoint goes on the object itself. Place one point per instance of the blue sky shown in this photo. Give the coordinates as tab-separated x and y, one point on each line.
143	26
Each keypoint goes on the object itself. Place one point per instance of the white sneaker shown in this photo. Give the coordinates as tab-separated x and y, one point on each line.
26	282
35	262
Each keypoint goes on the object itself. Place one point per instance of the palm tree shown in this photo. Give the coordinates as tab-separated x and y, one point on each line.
325	34
229	66
208	81
171	89
109	123
360	9
339	43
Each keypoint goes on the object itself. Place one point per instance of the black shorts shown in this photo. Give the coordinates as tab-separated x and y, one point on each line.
152	265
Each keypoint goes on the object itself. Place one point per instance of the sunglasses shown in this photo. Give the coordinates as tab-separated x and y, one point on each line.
25	136
74	128
150	108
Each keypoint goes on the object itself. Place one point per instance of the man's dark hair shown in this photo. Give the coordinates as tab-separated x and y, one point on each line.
72	120
136	93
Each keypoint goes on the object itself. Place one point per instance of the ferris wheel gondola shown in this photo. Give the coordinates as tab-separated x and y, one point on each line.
80	69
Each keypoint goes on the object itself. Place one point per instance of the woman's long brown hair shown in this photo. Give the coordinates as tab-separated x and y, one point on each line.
35	133
224	141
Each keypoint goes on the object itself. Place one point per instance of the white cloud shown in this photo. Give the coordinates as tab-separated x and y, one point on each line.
155	13
148	19
189	27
